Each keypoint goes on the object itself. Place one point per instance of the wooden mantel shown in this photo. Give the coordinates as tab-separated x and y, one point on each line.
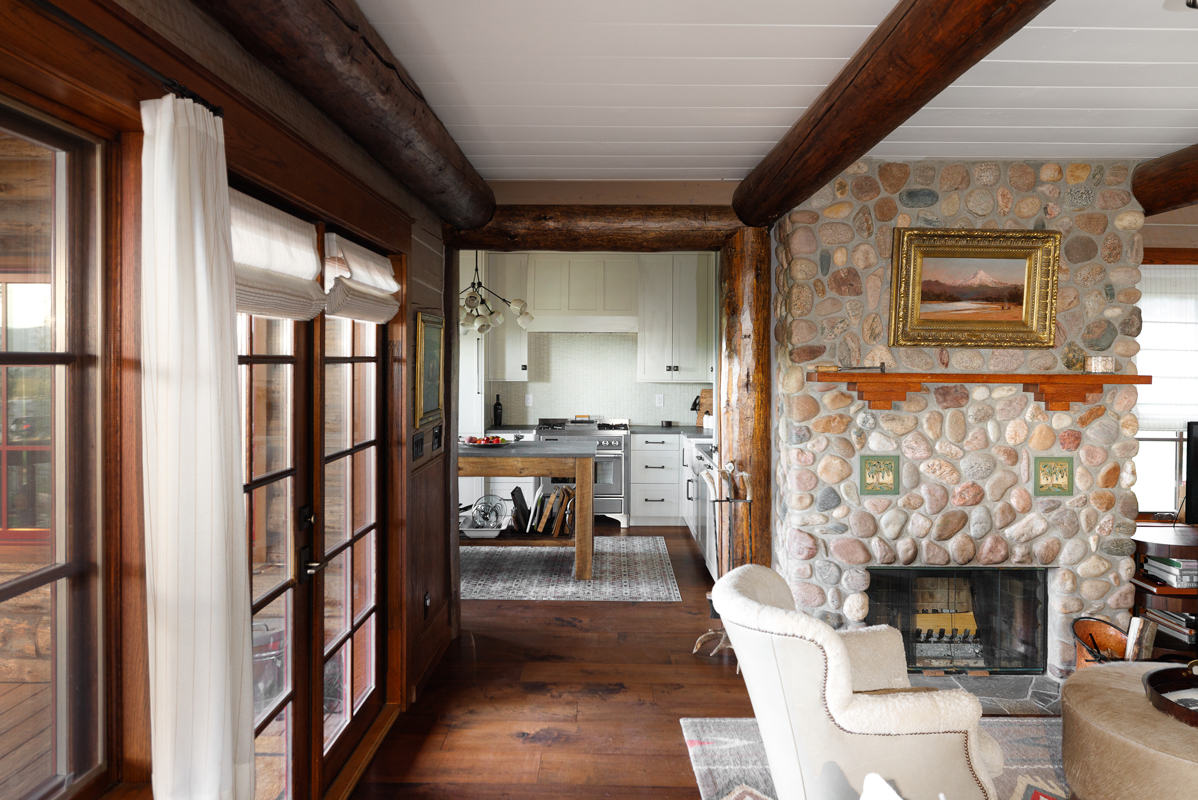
1055	390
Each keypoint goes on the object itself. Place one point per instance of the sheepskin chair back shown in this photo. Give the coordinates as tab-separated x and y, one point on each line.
821	739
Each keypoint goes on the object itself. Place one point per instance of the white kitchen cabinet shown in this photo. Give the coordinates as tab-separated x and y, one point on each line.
654	479
583	292
507	345
686	488
676	325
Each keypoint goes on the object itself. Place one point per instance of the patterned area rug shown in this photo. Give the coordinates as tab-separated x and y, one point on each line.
635	568
729	758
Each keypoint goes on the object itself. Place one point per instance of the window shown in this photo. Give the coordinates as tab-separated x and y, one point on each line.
50	665
1168	347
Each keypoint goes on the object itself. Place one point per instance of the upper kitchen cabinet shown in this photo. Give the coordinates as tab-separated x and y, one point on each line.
585	292
676	328
507	345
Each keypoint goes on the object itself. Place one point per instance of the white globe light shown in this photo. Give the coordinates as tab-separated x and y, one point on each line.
479	322
497	319
519	307
524	320
472	299
486	326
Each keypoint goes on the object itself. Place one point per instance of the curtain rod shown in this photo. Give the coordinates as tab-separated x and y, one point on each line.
169	84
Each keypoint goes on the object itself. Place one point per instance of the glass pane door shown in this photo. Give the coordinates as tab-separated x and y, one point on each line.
277	484
50	635
349	607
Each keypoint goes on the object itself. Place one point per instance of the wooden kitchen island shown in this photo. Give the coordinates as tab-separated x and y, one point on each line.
570	459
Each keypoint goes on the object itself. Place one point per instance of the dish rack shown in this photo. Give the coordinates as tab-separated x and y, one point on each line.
466	526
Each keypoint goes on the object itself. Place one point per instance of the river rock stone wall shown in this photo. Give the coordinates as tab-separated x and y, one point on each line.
966	450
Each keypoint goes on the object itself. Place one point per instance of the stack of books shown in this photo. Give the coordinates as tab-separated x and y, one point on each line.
1180	573
1181	625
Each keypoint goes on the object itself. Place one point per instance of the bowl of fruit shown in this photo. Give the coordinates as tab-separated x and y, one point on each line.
485	441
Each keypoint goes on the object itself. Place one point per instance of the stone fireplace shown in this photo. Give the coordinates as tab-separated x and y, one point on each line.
965	450
965	619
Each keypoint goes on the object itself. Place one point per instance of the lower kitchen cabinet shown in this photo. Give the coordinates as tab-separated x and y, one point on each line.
656	470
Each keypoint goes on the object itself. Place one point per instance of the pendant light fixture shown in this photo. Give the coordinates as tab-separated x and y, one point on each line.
477	313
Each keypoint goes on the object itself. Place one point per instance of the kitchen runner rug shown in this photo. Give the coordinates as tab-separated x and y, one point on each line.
729	759
628	568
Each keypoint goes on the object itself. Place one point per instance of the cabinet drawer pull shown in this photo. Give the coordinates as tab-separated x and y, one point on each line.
649	467
662	441
662	500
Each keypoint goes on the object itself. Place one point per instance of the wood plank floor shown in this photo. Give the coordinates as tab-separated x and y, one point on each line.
26	720
565	699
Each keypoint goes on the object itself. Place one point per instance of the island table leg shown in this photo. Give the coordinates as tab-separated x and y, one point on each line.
584	518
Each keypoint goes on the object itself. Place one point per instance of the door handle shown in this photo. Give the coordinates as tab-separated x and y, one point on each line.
689	482
316	566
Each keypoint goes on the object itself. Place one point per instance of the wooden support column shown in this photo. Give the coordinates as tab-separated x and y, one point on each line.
1168	182
744	394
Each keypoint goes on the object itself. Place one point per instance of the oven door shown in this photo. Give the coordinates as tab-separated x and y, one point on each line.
607	483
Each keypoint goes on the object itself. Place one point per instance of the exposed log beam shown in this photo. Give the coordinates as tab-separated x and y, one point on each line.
616	228
1168	182
329	51
915	53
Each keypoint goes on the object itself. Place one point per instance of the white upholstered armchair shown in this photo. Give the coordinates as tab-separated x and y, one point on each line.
832	707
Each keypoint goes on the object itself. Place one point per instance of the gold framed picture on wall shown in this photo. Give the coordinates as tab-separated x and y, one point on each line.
430	372
974	288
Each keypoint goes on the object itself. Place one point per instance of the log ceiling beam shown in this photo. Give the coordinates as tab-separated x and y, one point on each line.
640	229
915	53
330	52
1168	182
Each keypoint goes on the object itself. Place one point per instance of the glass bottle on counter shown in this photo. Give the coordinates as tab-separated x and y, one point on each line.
497	413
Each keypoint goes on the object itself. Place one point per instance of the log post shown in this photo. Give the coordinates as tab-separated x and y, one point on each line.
744	395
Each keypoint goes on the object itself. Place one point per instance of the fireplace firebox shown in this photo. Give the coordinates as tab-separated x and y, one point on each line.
964	619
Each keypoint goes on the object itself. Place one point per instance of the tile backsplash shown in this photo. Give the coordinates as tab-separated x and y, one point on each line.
589	373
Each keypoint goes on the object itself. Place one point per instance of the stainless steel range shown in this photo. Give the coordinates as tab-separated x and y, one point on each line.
611	476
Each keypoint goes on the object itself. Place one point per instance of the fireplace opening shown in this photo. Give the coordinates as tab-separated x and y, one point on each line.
964	619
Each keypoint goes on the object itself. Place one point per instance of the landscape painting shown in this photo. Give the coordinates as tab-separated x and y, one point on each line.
972	289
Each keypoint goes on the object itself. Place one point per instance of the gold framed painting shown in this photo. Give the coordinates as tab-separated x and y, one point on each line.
974	288
430	373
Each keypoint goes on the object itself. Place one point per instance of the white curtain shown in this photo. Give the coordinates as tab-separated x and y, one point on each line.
197	577
276	261
362	284
1168	343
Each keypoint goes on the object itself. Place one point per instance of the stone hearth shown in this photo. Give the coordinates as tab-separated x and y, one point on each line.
965	450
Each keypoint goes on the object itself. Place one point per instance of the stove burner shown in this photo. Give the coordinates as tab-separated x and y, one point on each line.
613	426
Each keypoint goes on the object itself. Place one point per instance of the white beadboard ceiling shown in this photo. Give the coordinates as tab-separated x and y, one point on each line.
702	89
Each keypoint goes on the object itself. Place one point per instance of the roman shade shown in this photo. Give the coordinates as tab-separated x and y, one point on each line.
361	284
1168	341
275	261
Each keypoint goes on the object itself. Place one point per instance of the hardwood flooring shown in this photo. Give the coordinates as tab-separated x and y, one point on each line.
565	699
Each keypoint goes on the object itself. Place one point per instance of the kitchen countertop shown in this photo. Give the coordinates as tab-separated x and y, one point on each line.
529	428
581	448
689	431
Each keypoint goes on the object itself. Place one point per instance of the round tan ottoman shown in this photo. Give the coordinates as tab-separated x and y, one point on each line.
1116	746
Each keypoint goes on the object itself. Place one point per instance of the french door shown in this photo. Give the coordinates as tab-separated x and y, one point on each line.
312	404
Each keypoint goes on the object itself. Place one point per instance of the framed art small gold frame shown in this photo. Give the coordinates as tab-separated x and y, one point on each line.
430	372
974	288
